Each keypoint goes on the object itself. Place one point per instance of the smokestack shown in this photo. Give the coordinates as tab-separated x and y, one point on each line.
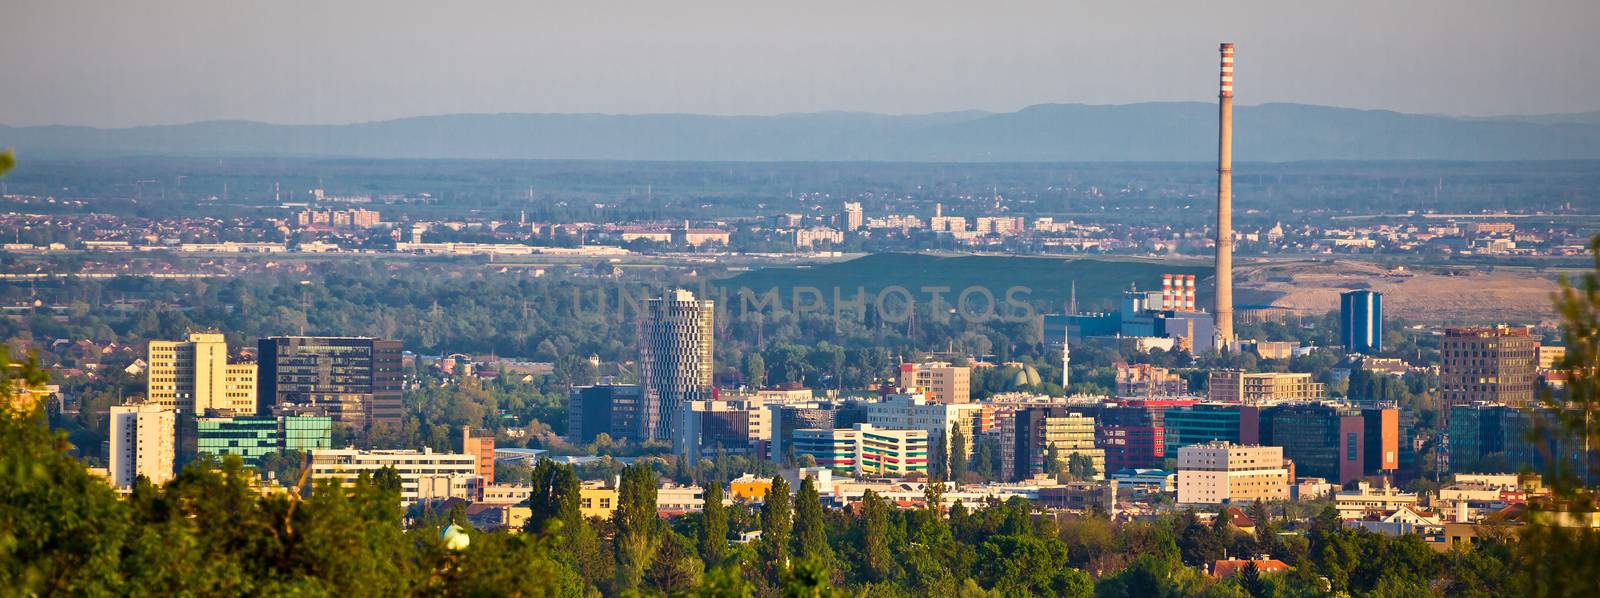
1225	200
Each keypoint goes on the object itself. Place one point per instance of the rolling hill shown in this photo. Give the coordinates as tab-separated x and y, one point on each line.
1148	132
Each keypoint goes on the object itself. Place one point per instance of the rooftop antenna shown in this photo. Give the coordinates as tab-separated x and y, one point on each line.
1066	358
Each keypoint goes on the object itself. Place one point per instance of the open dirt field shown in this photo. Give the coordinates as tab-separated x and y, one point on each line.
1428	294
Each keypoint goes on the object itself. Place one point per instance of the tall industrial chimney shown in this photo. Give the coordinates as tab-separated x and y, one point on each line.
1225	200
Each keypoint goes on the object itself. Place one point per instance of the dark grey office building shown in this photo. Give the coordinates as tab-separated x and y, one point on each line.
612	409
354	380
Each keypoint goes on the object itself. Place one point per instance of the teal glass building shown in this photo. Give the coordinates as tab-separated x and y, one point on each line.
253	437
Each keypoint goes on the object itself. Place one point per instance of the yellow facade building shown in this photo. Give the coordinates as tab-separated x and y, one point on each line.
194	376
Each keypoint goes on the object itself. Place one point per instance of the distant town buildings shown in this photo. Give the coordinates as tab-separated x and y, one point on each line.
339	219
852	217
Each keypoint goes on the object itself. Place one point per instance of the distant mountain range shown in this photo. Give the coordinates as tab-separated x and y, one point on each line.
1167	131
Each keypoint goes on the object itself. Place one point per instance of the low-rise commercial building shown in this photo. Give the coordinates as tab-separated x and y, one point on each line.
253	437
424	475
1365	500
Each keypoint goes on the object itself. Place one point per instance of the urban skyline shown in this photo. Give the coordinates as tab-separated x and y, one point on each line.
1042	353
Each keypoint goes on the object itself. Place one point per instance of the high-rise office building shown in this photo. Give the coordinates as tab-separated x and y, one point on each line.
1027	436
195	377
915	412
253	437
354	380
740	427
482	450
1486	438
1487	364
866	450
610	409
788	418
852	216
1331	441
675	336
939	381
143	443
1361	321
1131	436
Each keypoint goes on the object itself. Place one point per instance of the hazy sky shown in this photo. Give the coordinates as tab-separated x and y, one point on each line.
127	62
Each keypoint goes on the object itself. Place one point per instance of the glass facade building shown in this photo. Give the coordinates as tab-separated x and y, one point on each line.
1361	321
354	380
251	437
1199	424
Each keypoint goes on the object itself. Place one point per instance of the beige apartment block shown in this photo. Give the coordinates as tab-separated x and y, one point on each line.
1218	472
940	381
1263	388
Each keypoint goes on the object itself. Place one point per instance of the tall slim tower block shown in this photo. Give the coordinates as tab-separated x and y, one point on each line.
1225	200
1361	321
143	443
675	333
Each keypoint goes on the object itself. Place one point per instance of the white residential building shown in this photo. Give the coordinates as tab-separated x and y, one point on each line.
1364	500
424	474
143	443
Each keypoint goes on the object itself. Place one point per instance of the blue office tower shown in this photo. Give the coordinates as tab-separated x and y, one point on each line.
1361	321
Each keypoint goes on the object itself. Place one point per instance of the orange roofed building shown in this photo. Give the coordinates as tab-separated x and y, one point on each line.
1226	568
